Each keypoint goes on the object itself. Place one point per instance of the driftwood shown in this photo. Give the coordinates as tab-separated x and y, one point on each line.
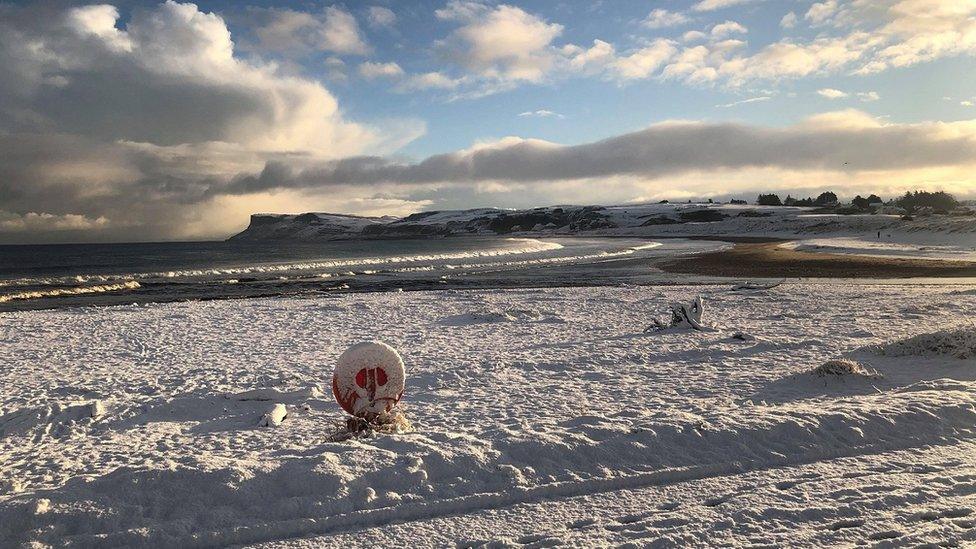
683	315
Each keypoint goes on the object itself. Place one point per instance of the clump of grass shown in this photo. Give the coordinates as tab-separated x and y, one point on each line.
958	343
392	422
842	367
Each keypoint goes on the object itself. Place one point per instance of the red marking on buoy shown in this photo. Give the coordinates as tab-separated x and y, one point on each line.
368	379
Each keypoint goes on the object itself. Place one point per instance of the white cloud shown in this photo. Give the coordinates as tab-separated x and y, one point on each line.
967	103
759	99
661	18
40	222
644	62
831	93
712	5
868	96
291	32
727	28
541	113
372	70
430	81
602	58
788	21
378	17
820	12
857	36
503	43
592	60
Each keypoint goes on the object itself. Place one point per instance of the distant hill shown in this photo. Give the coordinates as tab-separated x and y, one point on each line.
690	219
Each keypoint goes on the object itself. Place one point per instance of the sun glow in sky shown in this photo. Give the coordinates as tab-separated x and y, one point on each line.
148	120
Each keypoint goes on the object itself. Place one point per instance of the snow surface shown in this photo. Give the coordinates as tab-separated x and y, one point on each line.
541	417
874	246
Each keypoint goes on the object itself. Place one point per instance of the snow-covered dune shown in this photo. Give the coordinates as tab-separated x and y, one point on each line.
540	417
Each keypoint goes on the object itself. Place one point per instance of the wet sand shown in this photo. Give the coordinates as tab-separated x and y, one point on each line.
767	259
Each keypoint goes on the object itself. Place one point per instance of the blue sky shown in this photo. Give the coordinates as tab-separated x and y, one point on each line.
594	106
175	120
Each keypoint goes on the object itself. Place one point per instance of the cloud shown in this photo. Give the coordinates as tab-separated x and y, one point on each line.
643	62
541	113
661	18
727	28
43	222
429	81
503	43
380	17
602	58
855	37
712	5
844	141
140	125
371	70
788	21
868	96
290	32
820	12
831	93
758	99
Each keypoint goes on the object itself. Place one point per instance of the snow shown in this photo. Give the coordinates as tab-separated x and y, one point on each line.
957	343
924	237
583	431
870	246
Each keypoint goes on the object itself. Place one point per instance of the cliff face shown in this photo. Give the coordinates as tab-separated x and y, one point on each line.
325	226
307	226
636	219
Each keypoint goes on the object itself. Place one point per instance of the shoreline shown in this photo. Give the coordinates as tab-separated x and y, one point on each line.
768	260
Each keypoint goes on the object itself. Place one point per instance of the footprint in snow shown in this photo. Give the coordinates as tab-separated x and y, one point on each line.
715	502
954	513
885	534
582	524
847	523
539	540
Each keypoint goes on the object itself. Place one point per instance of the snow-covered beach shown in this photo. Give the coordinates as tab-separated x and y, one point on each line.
540	417
487	274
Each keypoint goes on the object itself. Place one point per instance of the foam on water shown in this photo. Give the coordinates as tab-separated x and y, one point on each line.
246	271
79	290
517	246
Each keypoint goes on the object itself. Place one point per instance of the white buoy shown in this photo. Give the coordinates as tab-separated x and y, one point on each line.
368	379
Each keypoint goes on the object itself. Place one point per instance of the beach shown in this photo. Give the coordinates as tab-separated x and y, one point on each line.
772	259
539	417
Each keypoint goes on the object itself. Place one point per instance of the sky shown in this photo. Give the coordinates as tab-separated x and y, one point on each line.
143	120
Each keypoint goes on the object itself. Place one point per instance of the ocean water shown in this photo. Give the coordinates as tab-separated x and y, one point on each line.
55	276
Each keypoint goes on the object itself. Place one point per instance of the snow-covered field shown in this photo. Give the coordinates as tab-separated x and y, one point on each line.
541	417
880	247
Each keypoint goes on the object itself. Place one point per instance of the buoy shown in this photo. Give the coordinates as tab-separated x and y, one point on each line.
368	379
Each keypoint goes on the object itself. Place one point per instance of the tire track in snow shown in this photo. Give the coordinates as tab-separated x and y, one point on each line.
428	510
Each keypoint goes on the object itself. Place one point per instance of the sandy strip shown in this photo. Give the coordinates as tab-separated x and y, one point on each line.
768	259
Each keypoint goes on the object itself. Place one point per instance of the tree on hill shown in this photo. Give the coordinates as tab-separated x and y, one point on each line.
860	203
875	199
826	199
769	200
939	201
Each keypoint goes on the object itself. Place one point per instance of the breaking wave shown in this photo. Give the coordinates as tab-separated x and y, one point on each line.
81	290
520	246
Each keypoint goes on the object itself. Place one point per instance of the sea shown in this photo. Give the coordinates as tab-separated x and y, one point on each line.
81	275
